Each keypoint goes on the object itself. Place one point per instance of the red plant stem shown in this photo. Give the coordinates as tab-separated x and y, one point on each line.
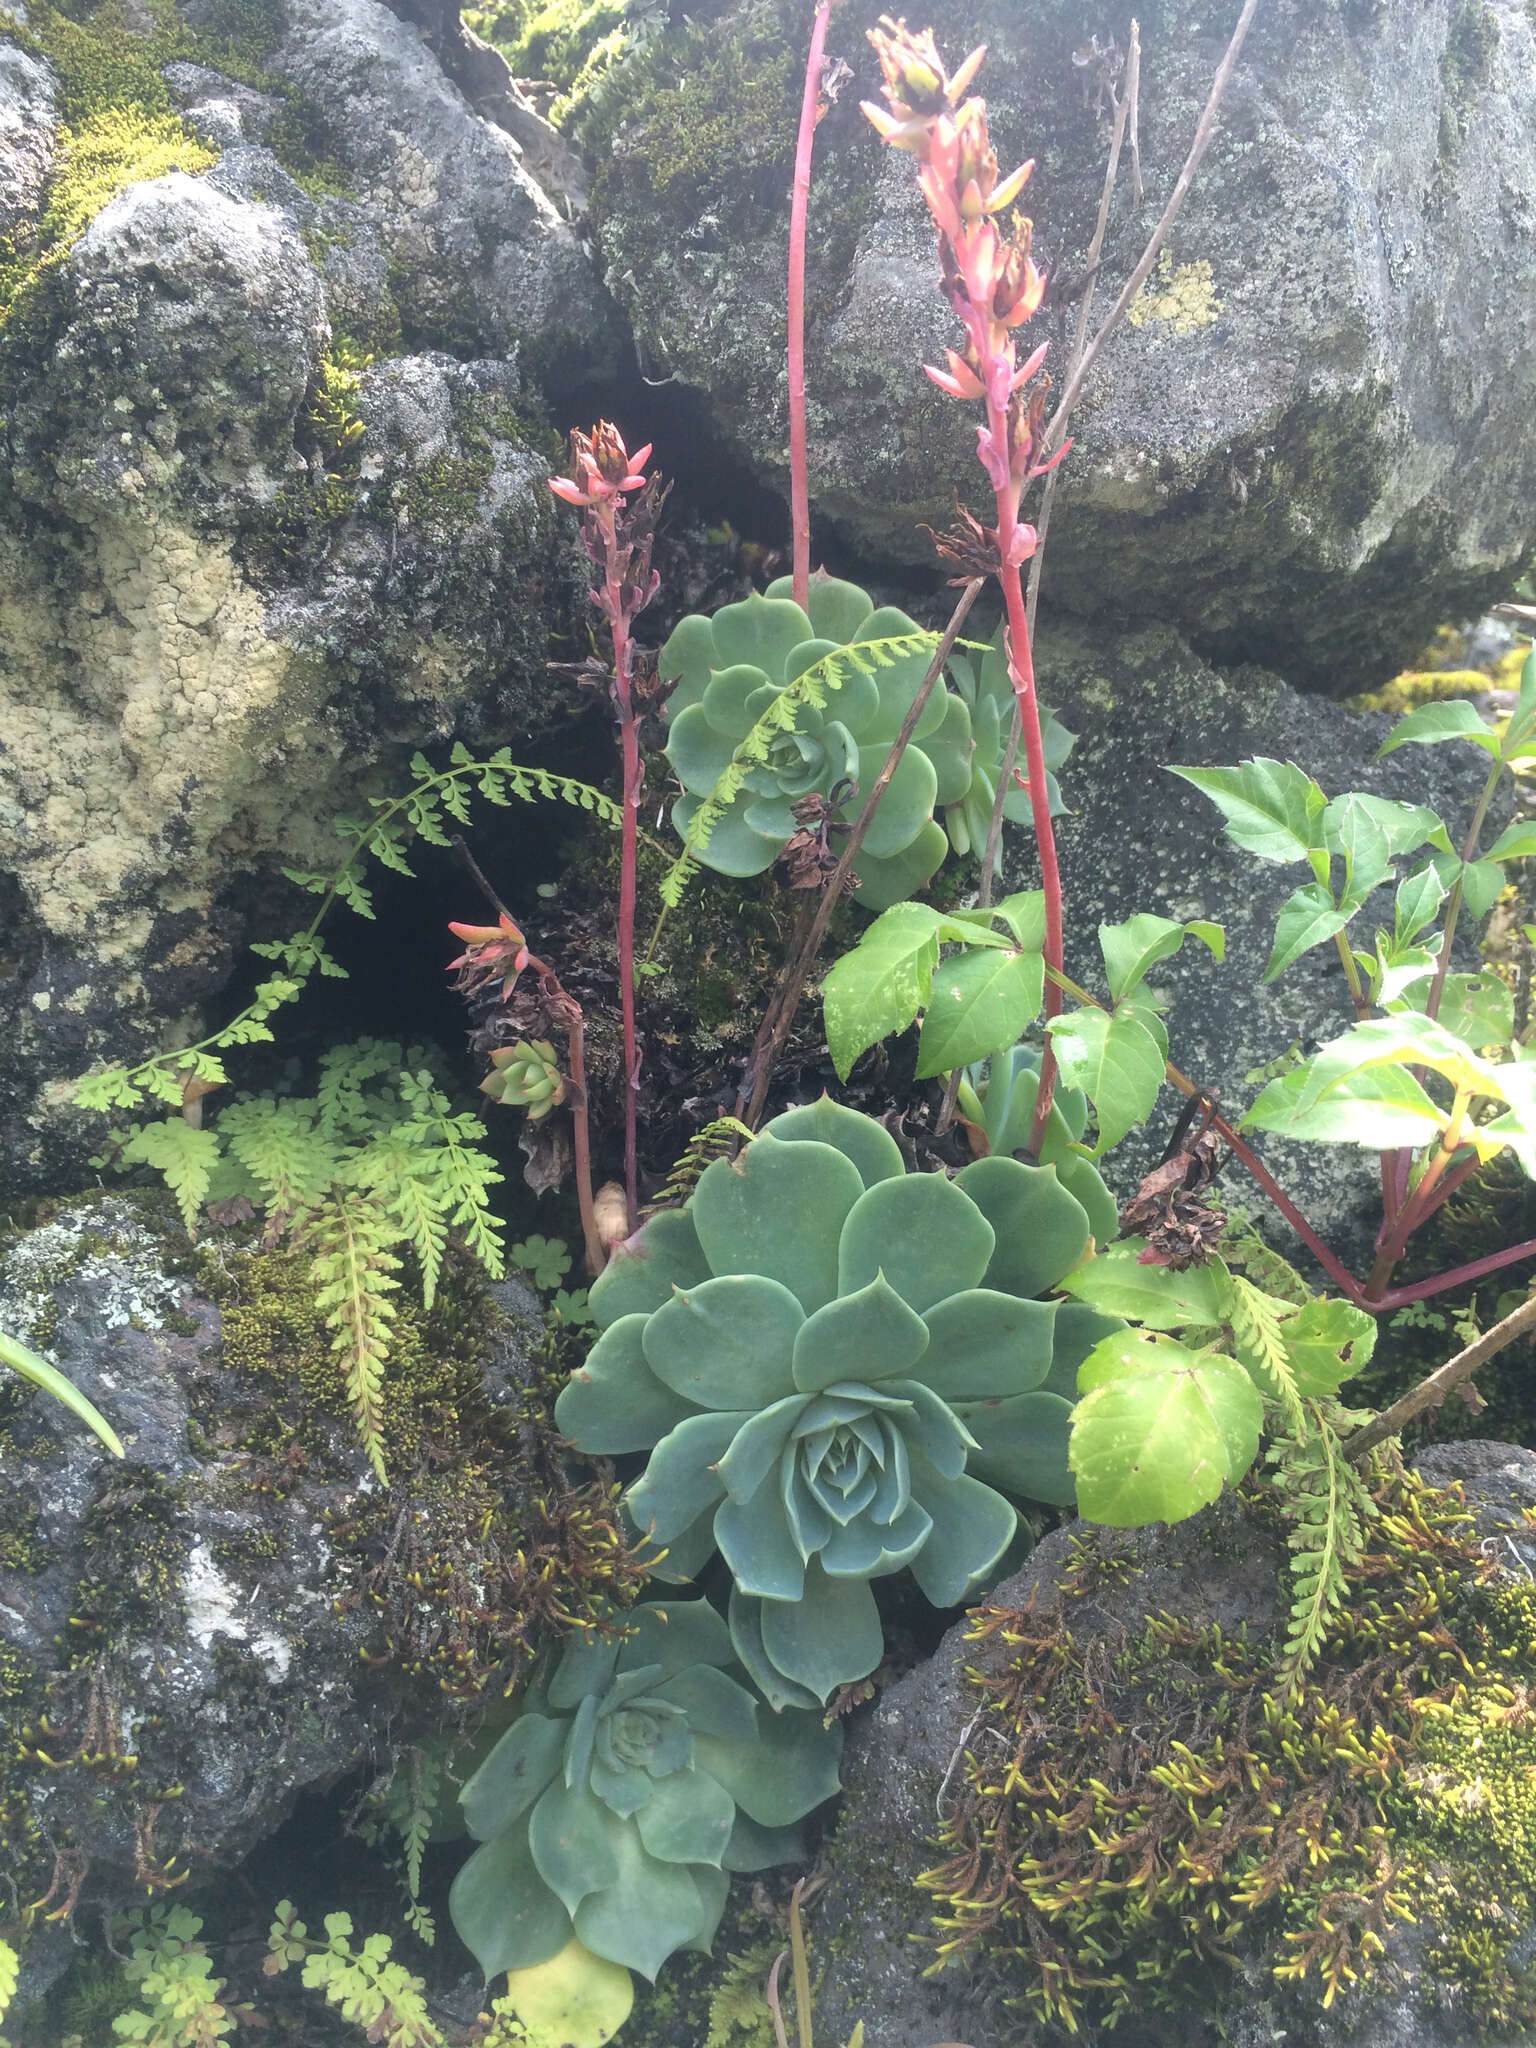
800	196
629	842
1022	667
1454	1276
597	1256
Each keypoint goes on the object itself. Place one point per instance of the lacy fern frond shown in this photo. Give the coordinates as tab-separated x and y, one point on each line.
385	837
808	690
353	1271
704	1146
363	1984
1329	1504
179	2000
1259	1331
279	1143
185	1154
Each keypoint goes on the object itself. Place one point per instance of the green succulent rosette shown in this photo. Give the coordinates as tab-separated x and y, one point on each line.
525	1076
640	1771
986	690
728	669
839	1370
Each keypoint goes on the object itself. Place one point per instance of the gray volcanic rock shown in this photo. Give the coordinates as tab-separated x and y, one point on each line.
1318	441
475	241
274	517
28	120
1138	838
187	1621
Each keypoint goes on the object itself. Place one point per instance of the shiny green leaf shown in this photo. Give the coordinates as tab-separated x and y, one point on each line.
1160	1430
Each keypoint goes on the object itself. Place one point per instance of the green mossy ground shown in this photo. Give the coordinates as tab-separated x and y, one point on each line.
1143	1822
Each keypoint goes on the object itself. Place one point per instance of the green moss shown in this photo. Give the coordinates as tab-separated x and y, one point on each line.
1113	1870
714	106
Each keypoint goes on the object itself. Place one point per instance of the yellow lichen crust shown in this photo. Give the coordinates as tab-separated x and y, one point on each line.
149	720
1179	300
1139	1821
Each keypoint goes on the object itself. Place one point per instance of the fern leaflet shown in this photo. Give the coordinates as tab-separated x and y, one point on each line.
704	1146
1329	1505
385	838
1259	1332
353	1273
186	1155
808	690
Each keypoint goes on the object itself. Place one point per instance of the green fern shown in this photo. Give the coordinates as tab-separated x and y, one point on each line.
353	1271
1259	1334
704	1146
375	1161
738	2012
186	1155
809	689
1329	1505
420	814
179	2001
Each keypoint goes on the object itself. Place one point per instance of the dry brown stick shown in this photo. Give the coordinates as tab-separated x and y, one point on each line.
1430	1392
792	986
1205	128
1133	95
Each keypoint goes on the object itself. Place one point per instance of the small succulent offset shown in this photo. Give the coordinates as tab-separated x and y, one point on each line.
639	1772
835	1365
730	667
986	689
525	1076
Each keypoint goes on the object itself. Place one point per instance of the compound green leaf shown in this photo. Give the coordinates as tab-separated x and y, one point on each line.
1160	1430
981	1002
1272	809
1116	1062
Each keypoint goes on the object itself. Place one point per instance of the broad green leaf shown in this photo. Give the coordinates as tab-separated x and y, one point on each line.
1455	719
1360	837
981	1003
1515	842
1023	914
1133	948
1118	1284
1380	1107
1327	1343
1418	898
1523	718
20	1358
878	988
1209	934
1271	808
1403	826
1116	1062
1160	1430
1309	917
1482	884
1402	1040
1476	1008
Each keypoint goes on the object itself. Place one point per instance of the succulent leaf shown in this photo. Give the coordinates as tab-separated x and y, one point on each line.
614	1815
924	1386
640	1275
615	1403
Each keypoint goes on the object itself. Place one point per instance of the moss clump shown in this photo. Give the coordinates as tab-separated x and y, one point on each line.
1138	1824
713	106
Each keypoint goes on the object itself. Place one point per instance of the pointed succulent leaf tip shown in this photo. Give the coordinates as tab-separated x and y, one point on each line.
611	1811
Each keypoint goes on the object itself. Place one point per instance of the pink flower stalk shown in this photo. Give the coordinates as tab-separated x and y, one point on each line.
992	284
618	534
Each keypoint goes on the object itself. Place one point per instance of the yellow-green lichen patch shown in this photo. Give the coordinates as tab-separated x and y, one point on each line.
1139	1824
1177	300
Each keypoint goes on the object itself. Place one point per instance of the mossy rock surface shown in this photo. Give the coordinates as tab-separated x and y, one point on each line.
237	1613
281	322
1105	1735
1307	451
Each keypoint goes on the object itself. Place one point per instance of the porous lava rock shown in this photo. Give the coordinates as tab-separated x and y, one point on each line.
277	416
1314	443
189	1638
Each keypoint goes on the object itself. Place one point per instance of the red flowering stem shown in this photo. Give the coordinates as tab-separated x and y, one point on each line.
1454	1276
1022	668
799	204
629	846
597	1255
